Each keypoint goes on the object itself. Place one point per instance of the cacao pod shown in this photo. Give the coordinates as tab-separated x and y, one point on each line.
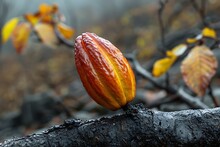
104	71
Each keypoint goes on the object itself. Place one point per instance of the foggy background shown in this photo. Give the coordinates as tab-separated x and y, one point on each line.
79	14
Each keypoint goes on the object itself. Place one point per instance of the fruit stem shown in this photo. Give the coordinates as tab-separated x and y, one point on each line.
127	107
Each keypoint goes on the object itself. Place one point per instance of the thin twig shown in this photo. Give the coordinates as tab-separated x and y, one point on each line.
161	24
178	8
144	73
195	5
167	79
201	10
215	44
210	92
162	33
192	101
63	40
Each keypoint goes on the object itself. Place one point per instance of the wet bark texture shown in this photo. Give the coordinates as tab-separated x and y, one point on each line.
137	127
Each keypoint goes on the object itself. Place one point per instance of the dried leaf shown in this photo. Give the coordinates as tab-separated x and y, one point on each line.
8	28
209	32
177	50
46	12
46	34
32	18
163	65
47	19
20	36
65	30
55	8
45	9
191	40
198	68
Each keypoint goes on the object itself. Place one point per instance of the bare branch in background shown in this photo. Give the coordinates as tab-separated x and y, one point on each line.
192	101
201	9
161	24
162	33
177	10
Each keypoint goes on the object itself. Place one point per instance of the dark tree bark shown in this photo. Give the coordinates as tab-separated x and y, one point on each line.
137	127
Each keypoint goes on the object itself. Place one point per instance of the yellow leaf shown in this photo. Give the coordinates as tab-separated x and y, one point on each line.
170	54
65	30
20	36
191	40
8	28
209	32
194	40
32	18
177	50
163	65
198	68
46	34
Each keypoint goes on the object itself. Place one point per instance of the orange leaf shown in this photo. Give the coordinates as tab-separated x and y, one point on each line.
20	36
46	12
45	9
47	18
65	30
163	65
32	18
198	68
46	34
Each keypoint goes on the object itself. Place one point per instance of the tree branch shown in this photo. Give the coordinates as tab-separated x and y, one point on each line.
192	101
137	127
